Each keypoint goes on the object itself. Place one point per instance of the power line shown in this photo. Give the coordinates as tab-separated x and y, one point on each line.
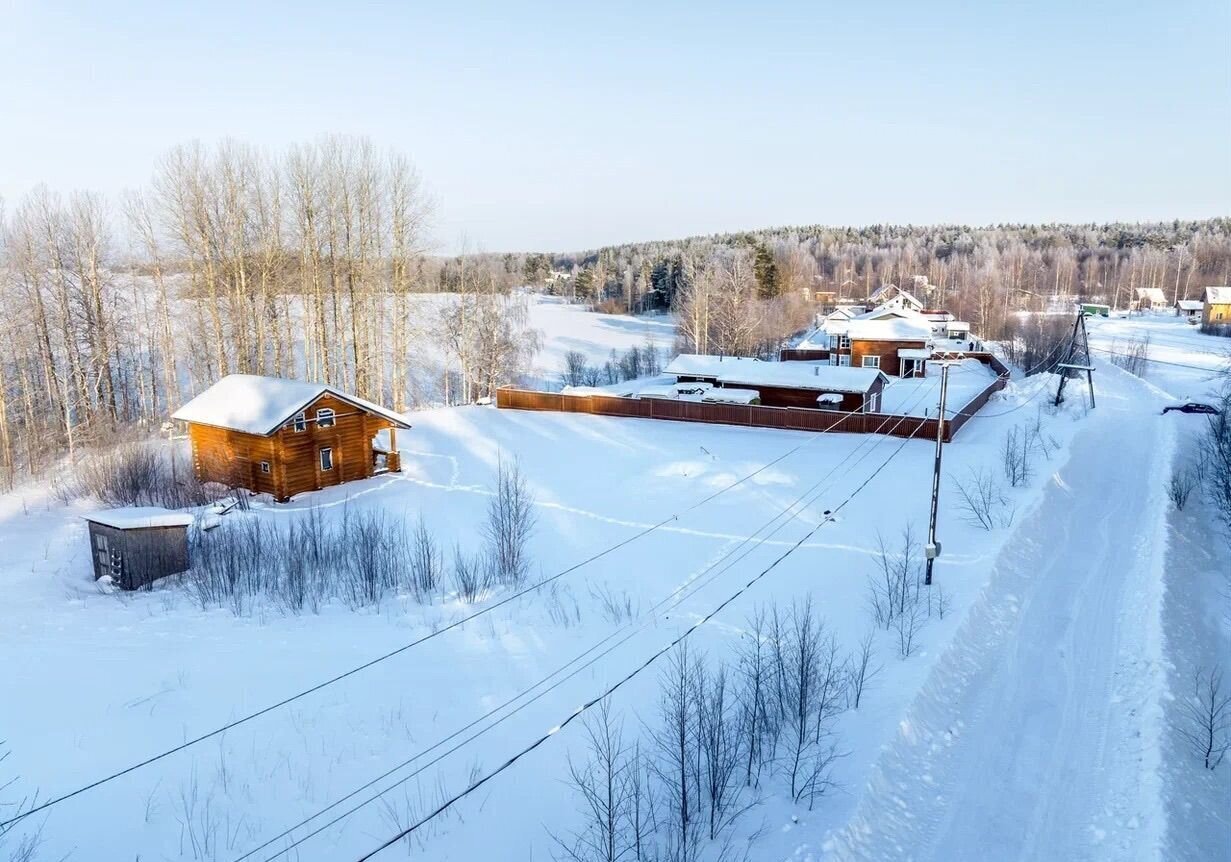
412	644
679	595
1206	369
649	661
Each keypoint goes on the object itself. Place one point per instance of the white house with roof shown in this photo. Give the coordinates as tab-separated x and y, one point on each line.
1189	309
1151	299
892	296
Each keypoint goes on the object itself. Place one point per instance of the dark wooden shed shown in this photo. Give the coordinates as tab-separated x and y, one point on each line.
136	546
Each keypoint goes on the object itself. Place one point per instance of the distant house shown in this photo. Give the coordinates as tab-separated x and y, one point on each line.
285	437
1217	307
1190	309
1151	299
892	296
784	384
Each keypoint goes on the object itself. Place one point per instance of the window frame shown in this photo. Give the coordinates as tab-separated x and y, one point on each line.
870	360
323	413
320	458
300	423
266	468
844	360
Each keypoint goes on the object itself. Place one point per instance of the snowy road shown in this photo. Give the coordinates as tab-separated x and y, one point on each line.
1036	736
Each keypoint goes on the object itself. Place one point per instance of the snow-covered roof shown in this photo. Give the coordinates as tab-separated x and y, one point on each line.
917	328
658	391
259	405
139	517
730	394
1153	294
1190	305
1218	295
914	353
891	292
699	365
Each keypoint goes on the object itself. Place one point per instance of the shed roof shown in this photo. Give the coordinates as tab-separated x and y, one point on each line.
788	375
1190	305
259	405
139	518
1218	295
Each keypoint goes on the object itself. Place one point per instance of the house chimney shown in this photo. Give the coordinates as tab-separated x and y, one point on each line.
816	370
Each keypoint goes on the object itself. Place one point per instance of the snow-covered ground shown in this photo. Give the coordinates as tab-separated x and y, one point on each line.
566	327
94	682
1038	733
1184	361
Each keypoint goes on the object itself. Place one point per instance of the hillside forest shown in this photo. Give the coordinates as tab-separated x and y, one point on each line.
316	262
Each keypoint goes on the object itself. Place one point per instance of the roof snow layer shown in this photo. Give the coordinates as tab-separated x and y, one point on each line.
890	329
791	375
139	517
259	405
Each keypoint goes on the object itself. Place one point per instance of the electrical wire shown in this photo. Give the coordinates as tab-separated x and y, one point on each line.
410	645
639	669
679	595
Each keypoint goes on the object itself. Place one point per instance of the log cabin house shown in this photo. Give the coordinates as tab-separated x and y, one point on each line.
285	437
813	385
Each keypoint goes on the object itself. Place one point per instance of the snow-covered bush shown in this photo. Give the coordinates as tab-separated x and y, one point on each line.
1217	459
1206	717
19	841
982	501
133	474
720	736
510	522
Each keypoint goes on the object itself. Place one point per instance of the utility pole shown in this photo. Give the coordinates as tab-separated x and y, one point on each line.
932	549
1077	359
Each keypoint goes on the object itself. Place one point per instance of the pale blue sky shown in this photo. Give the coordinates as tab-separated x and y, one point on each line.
565	126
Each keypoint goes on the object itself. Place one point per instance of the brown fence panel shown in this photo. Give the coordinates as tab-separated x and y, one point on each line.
785	418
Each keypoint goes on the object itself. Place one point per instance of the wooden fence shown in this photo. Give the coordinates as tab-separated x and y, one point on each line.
756	416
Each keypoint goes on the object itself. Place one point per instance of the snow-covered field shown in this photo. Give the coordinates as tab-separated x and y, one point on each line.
94	682
1184	362
99	681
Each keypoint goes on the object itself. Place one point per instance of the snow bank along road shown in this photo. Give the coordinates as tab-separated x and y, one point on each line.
1036	735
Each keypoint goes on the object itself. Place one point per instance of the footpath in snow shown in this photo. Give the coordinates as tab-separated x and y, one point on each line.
1036	736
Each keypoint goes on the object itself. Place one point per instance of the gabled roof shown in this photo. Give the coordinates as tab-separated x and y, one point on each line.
1218	294
260	405
888	292
1189	304
1153	294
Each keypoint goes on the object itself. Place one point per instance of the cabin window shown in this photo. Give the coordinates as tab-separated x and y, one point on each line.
326	459
264	466
844	342
874	402
833	359
324	418
844	359
871	362
301	421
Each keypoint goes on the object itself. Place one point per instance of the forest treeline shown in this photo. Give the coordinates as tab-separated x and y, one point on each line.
316	263
311	263
736	292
